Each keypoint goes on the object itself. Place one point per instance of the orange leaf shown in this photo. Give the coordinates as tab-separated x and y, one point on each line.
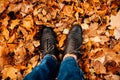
62	39
6	33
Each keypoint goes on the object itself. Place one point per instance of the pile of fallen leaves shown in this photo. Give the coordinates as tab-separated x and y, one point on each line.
21	20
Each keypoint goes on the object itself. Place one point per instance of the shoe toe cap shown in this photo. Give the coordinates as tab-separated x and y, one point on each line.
47	30
76	28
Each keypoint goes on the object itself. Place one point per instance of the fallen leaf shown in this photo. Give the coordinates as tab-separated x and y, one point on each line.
6	33
99	67
77	15
62	39
68	10
36	43
112	77
9	71
28	22
26	7
44	12
14	23
14	7
96	39
115	21
30	47
12	38
34	60
65	31
3	5
117	33
85	26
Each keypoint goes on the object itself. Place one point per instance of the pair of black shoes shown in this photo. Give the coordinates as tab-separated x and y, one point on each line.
73	42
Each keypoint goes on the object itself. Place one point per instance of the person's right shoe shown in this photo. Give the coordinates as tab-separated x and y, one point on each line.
74	40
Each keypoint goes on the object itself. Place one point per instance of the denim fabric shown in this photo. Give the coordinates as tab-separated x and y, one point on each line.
46	70
69	70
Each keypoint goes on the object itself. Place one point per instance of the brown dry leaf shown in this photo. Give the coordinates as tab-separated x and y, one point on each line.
111	55
115	21
65	31
1	57
112	77
85	26
20	52
104	39
12	38
3	5
79	10
5	21
117	33
62	39
14	7
24	31
34	60
44	12
29	69
99	67
28	22
9	71
36	43
96	39
14	23
12	47
68	10
53	12
6	33
30	47
77	15
26	7
116	48
111	67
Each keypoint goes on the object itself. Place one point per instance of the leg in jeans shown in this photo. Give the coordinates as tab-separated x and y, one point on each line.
45	70
69	70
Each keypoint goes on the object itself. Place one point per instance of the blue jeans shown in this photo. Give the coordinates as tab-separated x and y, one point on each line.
46	70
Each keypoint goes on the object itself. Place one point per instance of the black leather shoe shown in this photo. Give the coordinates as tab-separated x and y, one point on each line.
48	41
74	40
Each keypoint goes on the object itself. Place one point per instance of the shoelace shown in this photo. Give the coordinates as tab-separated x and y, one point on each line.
50	47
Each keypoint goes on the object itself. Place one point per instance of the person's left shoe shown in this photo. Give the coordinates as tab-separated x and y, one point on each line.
48	41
